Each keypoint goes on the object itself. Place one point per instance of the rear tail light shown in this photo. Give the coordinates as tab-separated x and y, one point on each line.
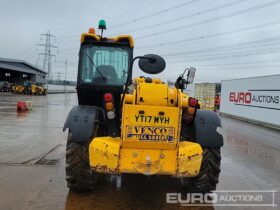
193	102
108	97
109	106
191	110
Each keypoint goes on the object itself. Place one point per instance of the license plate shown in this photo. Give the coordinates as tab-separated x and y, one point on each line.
149	119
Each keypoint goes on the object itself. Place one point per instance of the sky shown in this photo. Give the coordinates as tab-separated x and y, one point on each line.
222	39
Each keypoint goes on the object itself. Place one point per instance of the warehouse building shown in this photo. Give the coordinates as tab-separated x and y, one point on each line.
17	71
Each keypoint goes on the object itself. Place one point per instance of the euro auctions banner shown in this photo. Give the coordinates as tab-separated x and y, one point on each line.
255	98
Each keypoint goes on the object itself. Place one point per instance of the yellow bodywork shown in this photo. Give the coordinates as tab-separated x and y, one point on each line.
38	90
35	89
150	135
108	156
19	89
119	38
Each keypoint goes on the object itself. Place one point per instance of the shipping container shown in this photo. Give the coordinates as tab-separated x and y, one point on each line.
254	99
205	93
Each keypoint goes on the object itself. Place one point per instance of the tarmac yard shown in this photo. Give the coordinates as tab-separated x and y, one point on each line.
32	158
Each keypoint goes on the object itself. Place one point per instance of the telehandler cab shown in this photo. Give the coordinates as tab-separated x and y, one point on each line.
138	126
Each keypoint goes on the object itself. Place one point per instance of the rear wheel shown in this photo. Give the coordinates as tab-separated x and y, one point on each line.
79	176
208	177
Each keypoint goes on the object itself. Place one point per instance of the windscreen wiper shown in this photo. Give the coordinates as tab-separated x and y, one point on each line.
103	77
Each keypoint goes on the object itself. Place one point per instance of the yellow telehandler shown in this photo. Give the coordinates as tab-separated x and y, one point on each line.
137	126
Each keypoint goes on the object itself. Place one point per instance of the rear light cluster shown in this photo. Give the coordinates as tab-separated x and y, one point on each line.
193	102
189	112
109	106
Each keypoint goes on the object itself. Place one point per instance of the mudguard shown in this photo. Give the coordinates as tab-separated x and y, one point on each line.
82	120
205	127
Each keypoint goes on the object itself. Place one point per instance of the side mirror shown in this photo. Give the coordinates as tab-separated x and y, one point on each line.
152	64
191	74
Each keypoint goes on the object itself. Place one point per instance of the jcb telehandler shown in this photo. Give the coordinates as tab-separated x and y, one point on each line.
38	89
138	126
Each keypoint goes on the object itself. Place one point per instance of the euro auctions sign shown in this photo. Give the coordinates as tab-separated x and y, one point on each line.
255	98
267	99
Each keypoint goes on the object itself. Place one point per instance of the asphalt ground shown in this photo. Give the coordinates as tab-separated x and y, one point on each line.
32	160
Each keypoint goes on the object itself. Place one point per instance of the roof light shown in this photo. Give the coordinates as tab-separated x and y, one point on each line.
102	24
91	31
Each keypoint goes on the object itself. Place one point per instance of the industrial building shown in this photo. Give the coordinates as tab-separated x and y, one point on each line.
17	71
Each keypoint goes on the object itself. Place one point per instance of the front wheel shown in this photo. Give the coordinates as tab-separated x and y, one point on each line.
208	177
79	176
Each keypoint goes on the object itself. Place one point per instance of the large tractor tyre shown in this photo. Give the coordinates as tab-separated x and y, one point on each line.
208	177
79	176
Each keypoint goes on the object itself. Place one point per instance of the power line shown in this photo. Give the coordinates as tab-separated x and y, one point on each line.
138	19
212	35
243	67
154	14
234	67
188	16
58	75
207	36
234	64
26	52
224	53
261	6
67	37
30	54
68	49
245	54
262	42
69	62
143	6
197	23
120	14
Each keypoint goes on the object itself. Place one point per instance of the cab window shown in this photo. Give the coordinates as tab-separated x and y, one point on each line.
104	65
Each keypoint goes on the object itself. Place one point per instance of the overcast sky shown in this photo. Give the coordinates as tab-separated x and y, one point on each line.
223	39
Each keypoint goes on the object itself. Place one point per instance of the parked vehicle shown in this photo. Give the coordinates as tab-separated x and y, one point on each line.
5	86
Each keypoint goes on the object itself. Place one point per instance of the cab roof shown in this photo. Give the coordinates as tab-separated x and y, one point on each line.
117	39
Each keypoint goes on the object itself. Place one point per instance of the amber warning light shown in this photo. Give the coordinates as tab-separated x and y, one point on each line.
91	31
